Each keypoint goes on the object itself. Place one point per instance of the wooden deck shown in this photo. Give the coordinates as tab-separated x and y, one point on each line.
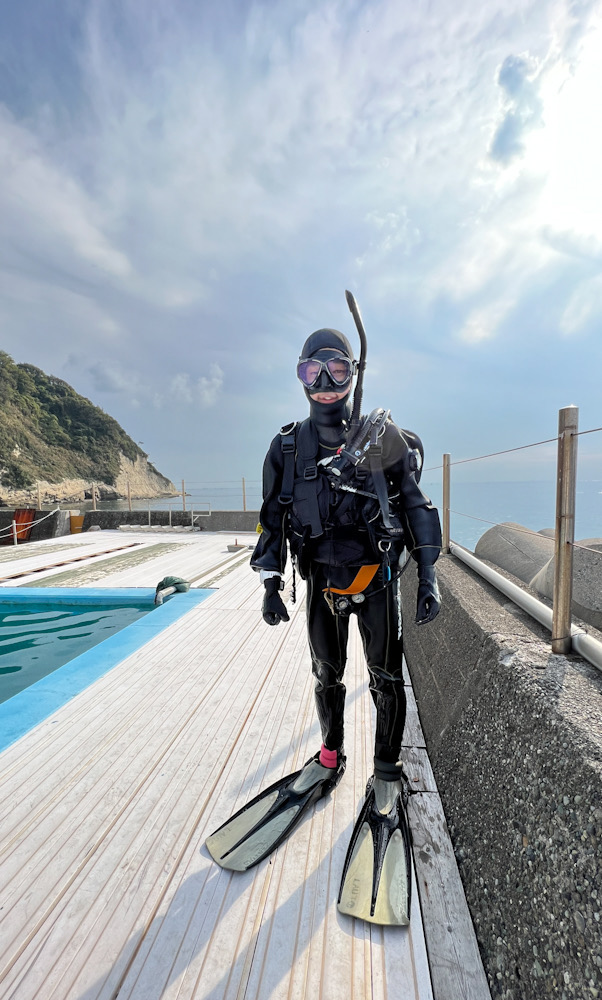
106	888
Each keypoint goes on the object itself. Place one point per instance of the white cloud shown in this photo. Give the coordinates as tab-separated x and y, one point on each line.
220	177
584	246
180	389
108	378
483	323
584	305
390	232
186	390
209	388
42	206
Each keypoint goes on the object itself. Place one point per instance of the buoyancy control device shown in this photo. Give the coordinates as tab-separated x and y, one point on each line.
347	472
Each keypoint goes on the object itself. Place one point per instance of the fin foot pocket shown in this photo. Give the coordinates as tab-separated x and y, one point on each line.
257	829
376	882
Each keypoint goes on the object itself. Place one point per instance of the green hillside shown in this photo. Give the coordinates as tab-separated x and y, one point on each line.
49	432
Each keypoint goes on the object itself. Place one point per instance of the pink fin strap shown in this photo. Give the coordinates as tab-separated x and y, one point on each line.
328	758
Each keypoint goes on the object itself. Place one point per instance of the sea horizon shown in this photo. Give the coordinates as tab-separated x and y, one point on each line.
475	506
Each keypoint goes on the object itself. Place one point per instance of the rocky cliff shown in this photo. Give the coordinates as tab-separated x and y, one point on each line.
145	482
55	444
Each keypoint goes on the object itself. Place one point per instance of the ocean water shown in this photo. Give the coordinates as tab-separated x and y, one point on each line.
530	504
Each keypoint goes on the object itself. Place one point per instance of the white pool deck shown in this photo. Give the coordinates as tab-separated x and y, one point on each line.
106	888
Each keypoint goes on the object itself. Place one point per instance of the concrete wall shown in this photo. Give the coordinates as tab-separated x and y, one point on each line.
218	520
45	529
515	738
59	523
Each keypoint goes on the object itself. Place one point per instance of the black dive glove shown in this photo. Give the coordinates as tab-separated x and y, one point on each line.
274	610
429	598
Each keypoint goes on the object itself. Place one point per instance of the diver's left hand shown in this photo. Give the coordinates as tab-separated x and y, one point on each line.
429	598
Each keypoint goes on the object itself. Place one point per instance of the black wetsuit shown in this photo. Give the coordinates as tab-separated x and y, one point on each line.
352	529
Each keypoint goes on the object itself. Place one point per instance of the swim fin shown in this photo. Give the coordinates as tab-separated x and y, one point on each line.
376	883
259	827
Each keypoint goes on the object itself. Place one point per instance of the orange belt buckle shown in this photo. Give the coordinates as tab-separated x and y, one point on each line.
364	576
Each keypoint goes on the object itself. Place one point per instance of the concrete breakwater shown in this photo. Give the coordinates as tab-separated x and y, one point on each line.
514	734
530	556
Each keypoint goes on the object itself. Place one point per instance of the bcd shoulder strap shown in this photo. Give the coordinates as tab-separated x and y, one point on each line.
300	446
307	484
288	444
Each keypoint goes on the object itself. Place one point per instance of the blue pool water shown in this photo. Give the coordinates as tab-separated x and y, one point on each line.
96	628
35	639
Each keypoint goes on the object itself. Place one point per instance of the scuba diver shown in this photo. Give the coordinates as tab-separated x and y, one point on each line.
343	491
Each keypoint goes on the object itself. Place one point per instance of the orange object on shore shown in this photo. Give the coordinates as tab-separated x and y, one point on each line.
23	518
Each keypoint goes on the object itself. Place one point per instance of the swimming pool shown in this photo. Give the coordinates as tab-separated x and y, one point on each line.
54	642
37	638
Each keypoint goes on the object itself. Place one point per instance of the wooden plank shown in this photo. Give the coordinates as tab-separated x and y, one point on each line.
207	961
190	555
455	962
113	868
290	930
57	766
32	551
119	929
192	560
393	959
93	806
39	564
417	767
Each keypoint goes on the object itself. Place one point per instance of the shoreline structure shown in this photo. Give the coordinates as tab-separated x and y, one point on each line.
144	482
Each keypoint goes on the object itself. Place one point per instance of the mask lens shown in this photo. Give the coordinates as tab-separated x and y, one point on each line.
339	370
308	371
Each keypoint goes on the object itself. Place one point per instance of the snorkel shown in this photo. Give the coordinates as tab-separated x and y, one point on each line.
359	385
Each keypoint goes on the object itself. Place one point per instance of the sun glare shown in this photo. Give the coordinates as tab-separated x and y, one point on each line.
568	149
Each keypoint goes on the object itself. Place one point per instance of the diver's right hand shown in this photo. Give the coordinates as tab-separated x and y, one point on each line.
274	610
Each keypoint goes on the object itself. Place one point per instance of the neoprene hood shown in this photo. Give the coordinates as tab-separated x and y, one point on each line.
327	414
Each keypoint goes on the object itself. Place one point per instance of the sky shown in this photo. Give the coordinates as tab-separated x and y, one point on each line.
187	189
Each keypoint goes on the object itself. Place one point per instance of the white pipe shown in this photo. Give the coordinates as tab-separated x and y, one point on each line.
162	594
584	644
587	647
536	608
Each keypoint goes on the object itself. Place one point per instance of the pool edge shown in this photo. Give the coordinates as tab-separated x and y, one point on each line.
30	707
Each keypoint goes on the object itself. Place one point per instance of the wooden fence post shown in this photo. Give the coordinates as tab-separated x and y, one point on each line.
446	498
566	484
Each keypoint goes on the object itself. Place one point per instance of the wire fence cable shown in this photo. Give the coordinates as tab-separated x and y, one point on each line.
25	527
507	451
